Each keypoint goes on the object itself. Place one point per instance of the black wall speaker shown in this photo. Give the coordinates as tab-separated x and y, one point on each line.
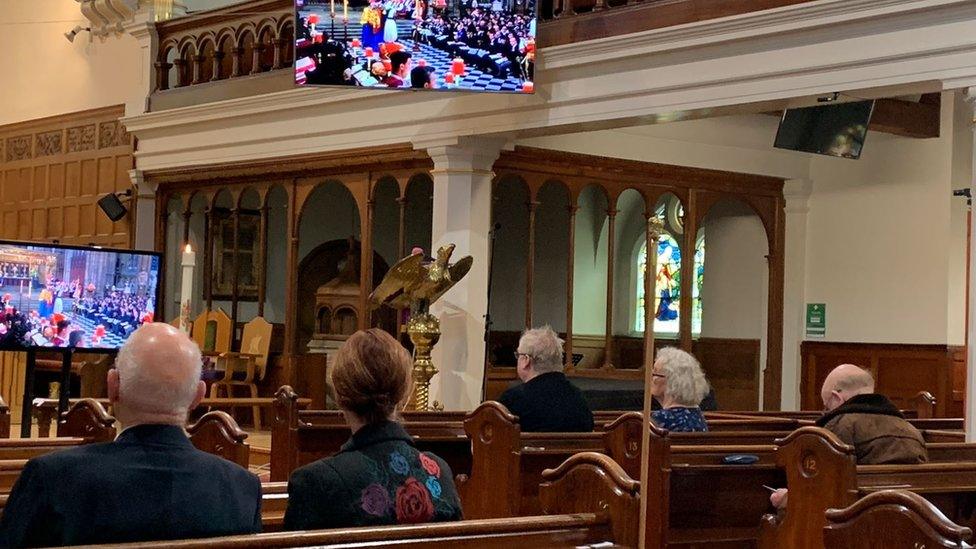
112	206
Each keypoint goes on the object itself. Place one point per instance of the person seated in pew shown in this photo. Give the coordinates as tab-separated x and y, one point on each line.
679	384
545	401
378	477
865	420
150	483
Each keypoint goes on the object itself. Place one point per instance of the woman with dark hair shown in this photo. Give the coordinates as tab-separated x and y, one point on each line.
378	477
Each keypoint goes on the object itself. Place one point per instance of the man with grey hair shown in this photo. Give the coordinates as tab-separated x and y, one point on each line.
150	483
545	401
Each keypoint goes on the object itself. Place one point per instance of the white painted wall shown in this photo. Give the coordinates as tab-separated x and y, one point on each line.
45	75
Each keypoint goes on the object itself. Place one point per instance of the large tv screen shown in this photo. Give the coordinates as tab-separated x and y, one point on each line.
88	298
476	45
832	130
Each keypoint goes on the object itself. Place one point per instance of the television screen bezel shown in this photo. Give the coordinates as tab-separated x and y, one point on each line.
867	128
408	89
98	248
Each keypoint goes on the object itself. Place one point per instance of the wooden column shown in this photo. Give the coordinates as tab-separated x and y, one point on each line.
772	378
653	525
256	57
402	235
198	60
235	283
279	53
208	259
608	349
218	57
236	54
162	75
685	308
291	273
180	65
187	214
263	262
530	264
570	267
366	261
652	233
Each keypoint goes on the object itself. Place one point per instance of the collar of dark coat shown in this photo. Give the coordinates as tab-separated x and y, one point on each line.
871	403
152	433
376	433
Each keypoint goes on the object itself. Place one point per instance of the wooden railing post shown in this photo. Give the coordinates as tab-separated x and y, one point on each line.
237	53
218	58
198	60
180	65
256	57
162	75
279	53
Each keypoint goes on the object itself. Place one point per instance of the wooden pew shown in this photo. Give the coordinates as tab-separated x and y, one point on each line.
215	432
613	498
45	410
821	474
892	518
4	419
274	502
300	437
557	531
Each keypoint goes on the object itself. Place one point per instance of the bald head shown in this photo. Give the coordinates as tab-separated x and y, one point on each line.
157	376
844	382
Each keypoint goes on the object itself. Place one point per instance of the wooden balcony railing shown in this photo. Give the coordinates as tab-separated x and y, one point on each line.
257	37
241	40
569	21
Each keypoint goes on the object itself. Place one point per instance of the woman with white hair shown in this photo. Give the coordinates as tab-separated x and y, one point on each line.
679	384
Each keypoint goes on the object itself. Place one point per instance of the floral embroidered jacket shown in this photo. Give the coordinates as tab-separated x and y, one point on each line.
378	478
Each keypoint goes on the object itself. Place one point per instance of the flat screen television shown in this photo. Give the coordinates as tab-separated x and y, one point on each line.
90	298
832	130
472	45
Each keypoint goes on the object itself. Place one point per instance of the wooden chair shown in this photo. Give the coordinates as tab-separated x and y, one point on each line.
892	518
213	331
247	367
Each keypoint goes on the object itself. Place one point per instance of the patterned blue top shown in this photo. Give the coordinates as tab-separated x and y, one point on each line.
680	419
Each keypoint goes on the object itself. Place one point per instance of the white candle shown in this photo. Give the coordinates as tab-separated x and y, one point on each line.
186	290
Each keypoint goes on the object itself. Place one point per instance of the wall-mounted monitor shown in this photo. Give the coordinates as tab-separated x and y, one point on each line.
834	130
471	45
91	298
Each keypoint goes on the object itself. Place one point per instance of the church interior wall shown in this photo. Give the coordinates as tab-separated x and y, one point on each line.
77	76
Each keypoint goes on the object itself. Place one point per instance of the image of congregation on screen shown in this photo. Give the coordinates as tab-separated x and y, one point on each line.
471	45
74	297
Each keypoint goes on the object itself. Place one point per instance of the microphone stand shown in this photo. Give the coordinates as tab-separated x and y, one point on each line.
491	269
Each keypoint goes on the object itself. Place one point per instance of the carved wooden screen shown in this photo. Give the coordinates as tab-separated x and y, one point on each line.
54	170
52	173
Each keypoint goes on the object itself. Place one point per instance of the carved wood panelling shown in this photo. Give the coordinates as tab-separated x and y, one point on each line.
48	143
81	138
112	134
18	148
54	170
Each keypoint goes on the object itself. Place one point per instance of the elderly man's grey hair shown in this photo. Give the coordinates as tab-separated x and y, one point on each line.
685	380
159	372
544	347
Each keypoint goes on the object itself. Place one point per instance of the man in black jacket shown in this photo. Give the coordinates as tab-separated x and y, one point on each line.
150	483
546	401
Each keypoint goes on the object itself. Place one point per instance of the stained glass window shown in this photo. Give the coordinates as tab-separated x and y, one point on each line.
667	298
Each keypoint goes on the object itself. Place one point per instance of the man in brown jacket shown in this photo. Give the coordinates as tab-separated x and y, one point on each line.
866	420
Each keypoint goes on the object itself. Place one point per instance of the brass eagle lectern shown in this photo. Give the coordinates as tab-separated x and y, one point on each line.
415	284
